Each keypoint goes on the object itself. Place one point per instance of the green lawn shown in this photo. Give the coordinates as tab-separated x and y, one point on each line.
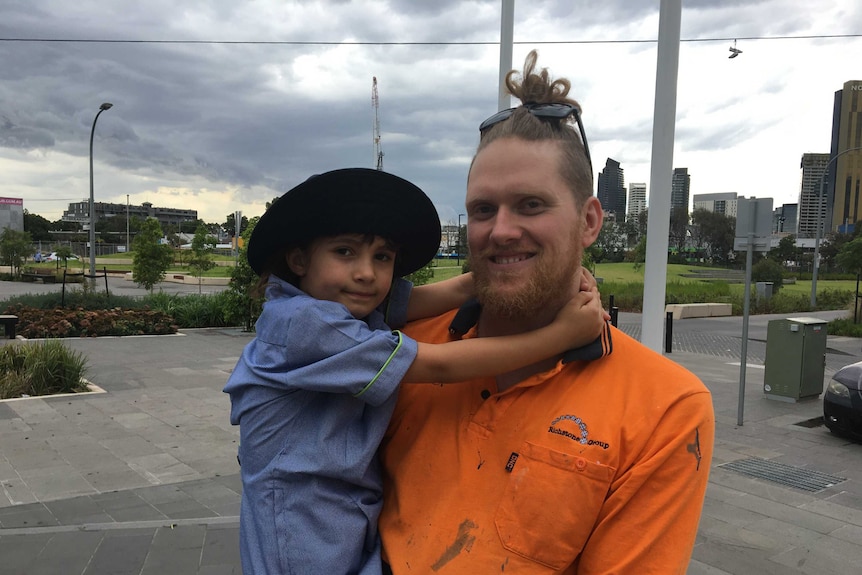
625	272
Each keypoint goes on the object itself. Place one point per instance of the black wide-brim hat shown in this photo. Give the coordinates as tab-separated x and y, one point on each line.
351	200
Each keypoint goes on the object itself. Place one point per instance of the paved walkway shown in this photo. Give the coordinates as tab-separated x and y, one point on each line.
143	478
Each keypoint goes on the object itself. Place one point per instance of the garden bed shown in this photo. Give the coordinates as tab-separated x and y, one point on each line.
80	322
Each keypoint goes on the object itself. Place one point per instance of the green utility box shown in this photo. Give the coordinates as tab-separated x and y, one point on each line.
795	358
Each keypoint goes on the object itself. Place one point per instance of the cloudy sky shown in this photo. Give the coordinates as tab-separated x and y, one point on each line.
222	105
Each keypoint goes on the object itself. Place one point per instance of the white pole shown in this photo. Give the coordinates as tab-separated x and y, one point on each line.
507	24
746	306
664	122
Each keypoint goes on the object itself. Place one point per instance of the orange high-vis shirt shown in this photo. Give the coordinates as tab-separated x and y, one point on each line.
594	467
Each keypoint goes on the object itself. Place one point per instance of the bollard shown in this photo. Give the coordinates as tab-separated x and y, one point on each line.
611	301
668	332
615	313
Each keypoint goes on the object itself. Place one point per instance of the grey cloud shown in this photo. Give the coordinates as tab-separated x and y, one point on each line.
26	138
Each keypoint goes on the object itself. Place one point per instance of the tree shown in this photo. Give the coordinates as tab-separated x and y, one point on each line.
421	276
229	226
63	252
768	270
38	227
643	223
785	251
243	306
637	255
850	256
629	230
202	249
15	247
678	231
714	232
190	226
831	246
609	245
151	258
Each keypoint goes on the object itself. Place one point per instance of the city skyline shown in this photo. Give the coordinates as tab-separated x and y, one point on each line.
223	106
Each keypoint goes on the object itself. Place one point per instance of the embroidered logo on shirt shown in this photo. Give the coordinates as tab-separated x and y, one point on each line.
581	435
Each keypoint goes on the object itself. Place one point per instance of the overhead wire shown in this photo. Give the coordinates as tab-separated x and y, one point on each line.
369	43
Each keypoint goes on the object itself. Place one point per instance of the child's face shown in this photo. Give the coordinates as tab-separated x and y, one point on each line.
347	269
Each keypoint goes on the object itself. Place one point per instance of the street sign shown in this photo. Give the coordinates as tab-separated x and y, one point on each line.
753	215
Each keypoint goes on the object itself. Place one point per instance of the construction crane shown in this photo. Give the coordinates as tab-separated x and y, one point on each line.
375	103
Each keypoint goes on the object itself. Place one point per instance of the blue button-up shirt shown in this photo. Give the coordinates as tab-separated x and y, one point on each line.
313	394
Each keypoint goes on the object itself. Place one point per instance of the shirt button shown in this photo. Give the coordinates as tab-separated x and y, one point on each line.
581	464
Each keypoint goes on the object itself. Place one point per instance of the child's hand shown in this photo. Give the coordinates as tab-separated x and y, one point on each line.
589	283
582	318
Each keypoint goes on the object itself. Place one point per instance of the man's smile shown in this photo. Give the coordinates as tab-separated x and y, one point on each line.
510	259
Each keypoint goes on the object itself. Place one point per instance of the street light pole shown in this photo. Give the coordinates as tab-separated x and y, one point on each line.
458	244
816	263
102	108
127	225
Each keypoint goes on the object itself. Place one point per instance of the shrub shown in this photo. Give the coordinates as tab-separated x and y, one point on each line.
203	310
845	327
191	310
80	322
40	368
768	270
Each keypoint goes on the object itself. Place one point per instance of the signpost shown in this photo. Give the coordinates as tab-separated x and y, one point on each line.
753	230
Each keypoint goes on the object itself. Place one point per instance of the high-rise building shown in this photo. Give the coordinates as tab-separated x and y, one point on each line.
720	203
785	219
812	200
612	190
844	176
679	188
637	200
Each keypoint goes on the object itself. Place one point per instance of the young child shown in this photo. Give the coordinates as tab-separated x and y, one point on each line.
314	391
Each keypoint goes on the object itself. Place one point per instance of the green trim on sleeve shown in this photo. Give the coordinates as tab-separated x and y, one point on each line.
382	369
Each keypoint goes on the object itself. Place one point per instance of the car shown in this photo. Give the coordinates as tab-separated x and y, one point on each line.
842	402
53	257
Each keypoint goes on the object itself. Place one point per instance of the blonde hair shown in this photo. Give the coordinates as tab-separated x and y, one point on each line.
535	86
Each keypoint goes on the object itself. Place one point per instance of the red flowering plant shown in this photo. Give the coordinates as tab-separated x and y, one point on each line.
79	322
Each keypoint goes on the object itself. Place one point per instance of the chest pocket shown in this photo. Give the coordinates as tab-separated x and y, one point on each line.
550	505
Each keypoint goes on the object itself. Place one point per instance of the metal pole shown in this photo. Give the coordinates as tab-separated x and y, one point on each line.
856	302
749	255
668	332
507	24
127	225
458	243
816	263
102	108
664	123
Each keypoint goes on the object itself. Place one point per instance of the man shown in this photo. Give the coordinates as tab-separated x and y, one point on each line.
596	465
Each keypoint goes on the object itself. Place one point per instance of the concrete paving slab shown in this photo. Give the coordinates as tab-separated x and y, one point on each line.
164	408
77	510
66	553
175	550
15	492
28	515
121	552
20	552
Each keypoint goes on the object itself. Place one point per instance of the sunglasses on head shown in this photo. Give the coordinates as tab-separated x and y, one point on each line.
556	111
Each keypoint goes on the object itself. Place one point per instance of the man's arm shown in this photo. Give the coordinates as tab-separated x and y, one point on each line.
649	521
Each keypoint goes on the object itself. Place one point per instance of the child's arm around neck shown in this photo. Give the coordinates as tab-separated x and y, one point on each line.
578	323
437	298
